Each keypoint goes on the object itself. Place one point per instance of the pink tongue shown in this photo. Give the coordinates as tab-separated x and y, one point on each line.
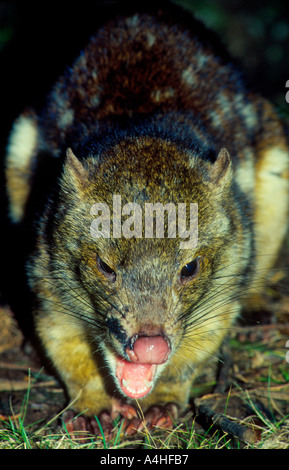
149	350
136	377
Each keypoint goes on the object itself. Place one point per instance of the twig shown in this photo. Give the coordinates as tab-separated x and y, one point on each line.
221	421
224	369
16	385
9	366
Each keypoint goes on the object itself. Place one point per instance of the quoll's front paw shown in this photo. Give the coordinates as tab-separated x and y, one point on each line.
79	426
155	417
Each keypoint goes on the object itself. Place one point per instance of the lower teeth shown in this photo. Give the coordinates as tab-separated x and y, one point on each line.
126	385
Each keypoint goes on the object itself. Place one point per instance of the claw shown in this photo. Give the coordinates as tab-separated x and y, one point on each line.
170	415
80	427
156	416
106	423
76	426
123	409
133	427
151	418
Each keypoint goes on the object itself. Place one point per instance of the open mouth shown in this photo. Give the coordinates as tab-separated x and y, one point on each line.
135	380
136	377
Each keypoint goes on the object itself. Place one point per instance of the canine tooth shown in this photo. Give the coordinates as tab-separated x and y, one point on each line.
124	383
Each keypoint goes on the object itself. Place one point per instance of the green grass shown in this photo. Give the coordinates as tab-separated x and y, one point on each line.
16	434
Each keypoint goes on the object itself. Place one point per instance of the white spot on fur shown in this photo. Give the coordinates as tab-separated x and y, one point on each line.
275	163
223	108
272	204
189	76
215	119
249	114
94	75
162	95
20	152
245	173
22	142
151	39
132	21
66	119
224	103
201	60
94	102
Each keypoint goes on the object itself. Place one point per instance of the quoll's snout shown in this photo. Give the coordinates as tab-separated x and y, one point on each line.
146	354
149	350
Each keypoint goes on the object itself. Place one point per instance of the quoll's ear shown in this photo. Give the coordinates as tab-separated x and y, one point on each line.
221	173
74	170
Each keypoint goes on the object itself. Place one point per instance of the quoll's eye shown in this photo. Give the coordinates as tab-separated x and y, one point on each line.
190	270
106	270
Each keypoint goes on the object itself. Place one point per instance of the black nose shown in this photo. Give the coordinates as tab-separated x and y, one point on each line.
115	329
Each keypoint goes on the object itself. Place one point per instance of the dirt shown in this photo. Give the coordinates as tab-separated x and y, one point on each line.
21	371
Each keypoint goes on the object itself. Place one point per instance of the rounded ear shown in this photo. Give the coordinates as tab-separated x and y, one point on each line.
221	171
74	171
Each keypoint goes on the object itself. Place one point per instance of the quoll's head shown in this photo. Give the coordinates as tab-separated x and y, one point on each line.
142	292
